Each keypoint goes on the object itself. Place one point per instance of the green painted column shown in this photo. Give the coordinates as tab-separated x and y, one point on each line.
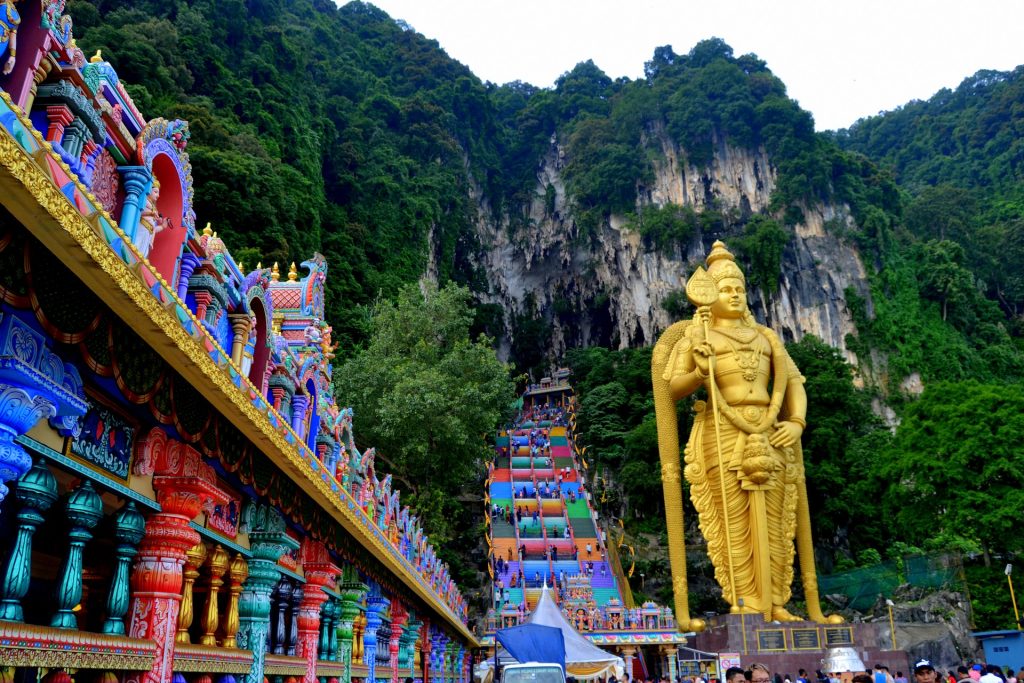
129	528
36	491
352	592
268	541
451	650
405	644
670	654
326	627
84	509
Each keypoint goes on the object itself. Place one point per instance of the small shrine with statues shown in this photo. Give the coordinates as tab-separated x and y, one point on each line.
181	494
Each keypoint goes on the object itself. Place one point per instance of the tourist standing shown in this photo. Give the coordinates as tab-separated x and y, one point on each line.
924	672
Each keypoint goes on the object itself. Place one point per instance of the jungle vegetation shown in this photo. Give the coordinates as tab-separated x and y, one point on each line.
341	130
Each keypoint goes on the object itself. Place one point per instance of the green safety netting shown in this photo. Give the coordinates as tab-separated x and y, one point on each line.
863	586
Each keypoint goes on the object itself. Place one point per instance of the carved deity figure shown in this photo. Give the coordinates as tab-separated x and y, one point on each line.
9	22
743	458
151	221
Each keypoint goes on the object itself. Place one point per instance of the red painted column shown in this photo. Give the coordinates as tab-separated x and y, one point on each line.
398	618
184	485
320	572
59	115
203	301
425	649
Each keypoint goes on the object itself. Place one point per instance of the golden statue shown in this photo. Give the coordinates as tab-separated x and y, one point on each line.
752	509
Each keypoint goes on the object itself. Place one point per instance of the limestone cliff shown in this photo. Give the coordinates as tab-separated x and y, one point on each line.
608	288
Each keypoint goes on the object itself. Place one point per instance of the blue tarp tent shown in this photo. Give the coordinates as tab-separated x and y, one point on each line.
534	643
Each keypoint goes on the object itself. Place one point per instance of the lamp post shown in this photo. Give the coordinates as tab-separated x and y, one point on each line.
643	585
743	625
1013	598
892	625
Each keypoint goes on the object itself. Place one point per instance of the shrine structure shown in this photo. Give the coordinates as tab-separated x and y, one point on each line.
181	495
544	530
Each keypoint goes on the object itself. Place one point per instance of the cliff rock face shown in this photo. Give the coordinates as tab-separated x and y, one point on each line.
608	288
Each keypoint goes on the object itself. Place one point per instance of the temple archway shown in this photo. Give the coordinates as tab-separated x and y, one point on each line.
168	243
261	350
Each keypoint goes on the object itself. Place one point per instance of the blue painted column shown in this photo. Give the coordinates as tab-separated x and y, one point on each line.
186	267
138	182
299	404
268	541
376	605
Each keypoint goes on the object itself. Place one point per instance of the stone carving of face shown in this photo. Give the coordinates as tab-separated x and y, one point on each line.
732	299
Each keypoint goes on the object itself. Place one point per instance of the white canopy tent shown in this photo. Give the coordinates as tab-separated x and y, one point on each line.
583	659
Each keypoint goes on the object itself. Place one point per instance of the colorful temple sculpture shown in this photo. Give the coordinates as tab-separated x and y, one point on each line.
544	531
181	495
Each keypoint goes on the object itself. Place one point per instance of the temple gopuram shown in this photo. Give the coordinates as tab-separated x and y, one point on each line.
181	495
543	530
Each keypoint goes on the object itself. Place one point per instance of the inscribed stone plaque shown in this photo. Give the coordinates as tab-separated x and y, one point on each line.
806	639
771	640
838	636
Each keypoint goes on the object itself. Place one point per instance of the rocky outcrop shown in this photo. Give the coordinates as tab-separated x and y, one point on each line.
933	625
608	287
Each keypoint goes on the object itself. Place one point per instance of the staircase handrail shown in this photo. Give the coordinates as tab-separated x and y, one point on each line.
615	562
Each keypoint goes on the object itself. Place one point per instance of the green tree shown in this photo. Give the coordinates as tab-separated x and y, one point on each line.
955	469
761	247
424	393
943	212
945	279
839	446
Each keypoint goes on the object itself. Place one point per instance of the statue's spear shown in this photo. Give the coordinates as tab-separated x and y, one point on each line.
701	290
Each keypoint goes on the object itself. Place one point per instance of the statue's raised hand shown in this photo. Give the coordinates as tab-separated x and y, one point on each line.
702	353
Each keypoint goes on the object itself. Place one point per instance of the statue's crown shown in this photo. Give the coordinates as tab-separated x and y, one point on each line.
722	264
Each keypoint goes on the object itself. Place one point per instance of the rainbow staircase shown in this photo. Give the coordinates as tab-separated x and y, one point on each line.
544	516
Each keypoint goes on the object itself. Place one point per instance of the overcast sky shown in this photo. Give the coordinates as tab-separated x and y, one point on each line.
841	60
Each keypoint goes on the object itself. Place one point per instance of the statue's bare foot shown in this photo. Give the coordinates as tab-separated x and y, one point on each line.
819	617
780	613
695	625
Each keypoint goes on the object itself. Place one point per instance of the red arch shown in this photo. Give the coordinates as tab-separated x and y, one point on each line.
167	244
260	354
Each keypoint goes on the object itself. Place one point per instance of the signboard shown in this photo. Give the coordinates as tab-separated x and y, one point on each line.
697	667
689	668
806	639
105	442
838	636
771	640
728	660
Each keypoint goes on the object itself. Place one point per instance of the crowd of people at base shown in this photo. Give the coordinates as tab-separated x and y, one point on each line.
982	673
552	414
924	672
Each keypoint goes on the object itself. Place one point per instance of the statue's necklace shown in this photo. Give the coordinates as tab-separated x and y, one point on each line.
747	357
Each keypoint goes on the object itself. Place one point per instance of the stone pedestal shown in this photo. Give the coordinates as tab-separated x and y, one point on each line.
790	646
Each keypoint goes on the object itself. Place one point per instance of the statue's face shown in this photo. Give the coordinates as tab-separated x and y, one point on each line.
732	299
